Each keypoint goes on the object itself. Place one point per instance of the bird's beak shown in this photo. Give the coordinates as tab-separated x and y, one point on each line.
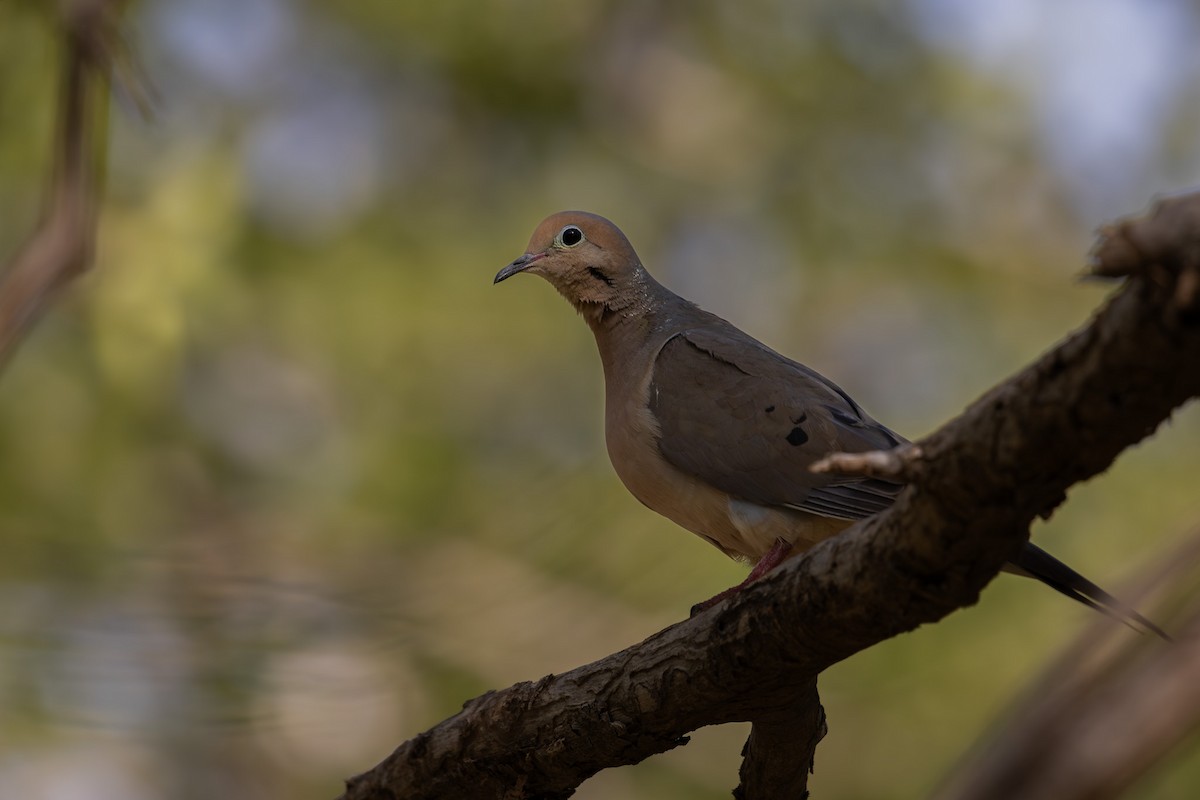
520	265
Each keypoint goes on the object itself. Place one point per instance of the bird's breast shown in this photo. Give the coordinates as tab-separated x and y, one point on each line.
632	439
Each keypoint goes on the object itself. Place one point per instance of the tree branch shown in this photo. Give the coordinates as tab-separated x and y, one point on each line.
900	463
62	247
1105	711
979	483
778	756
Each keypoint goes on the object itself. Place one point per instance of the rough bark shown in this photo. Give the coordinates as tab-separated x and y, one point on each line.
977	484
776	761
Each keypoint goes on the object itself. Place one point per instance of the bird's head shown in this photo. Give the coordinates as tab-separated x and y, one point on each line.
587	259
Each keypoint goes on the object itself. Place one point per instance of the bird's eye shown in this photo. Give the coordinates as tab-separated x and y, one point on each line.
570	236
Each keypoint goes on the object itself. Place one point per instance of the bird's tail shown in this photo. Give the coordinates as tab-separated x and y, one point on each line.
1037	563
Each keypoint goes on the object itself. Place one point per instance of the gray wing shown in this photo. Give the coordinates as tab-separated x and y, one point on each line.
750	422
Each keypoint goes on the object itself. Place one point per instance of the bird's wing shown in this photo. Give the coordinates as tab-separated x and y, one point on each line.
748	421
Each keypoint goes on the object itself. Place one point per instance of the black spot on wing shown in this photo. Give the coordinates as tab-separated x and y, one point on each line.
797	437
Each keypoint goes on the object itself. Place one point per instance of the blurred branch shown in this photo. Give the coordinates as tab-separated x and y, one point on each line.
62	247
1007	459
1106	711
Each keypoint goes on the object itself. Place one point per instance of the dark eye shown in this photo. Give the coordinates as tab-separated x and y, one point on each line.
570	236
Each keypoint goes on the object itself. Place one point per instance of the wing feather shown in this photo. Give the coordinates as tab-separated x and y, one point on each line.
749	421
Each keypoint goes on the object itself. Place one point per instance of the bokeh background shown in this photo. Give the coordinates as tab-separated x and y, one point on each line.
285	479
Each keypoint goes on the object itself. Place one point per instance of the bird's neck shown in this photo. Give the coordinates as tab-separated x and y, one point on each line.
640	320
619	336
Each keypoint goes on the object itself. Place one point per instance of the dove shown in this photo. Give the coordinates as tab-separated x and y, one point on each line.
714	430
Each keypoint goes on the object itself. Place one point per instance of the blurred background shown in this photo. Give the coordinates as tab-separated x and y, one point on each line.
285	479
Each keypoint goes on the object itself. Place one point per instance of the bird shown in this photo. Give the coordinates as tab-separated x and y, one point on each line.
716	431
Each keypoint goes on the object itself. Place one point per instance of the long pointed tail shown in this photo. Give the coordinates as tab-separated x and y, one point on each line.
1037	563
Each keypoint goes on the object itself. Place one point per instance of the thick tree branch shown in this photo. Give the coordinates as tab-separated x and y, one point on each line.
979	483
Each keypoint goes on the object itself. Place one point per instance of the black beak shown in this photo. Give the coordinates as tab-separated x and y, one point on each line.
520	265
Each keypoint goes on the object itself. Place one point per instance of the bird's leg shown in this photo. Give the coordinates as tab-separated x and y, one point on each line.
770	560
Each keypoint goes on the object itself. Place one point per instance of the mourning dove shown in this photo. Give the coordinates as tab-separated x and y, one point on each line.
716	431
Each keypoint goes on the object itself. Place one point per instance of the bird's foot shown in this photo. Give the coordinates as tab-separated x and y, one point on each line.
716	598
770	560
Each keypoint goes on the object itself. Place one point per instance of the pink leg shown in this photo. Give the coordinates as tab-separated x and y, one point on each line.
770	560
